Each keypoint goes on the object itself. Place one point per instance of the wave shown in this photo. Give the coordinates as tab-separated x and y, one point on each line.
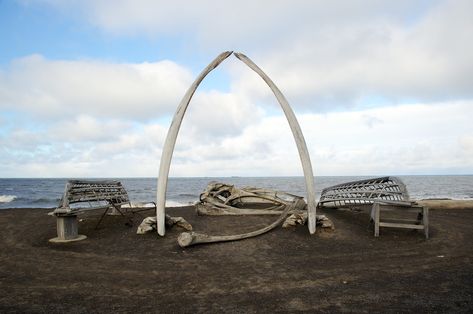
171	203
43	200
188	195
7	198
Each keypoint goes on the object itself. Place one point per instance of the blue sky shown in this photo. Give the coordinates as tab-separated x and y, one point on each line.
88	88
30	28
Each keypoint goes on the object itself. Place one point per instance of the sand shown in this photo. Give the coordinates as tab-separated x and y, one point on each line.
347	270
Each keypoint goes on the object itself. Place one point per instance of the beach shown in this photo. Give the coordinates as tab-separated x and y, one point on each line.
285	270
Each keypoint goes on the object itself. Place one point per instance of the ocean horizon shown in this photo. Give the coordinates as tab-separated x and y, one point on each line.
182	191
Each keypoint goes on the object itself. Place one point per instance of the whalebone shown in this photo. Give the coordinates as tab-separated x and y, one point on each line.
171	138
186	239
170	142
149	224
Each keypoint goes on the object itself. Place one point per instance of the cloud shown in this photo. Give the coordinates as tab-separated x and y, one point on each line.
219	22
346	64
86	128
413	139
322	55
379	88
81	148
217	115
57	88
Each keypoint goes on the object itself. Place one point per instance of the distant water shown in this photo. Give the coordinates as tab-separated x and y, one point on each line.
46	193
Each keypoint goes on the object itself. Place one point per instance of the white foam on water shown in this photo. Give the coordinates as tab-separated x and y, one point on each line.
151	205
139	204
170	203
7	198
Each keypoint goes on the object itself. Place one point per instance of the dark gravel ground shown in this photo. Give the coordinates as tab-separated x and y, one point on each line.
347	270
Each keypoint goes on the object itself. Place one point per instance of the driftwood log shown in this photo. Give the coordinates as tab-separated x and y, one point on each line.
171	138
186	239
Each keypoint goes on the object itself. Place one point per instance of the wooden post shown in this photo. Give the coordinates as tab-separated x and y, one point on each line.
376	219
425	221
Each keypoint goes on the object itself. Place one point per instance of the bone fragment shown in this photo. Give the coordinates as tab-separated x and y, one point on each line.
300	218
186	239
221	199
206	210
178	221
149	224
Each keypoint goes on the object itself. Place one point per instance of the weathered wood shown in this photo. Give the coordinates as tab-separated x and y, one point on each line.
67	230
421	223
387	190
399	220
111	192
425	221
86	191
384	193
376	219
400	225
87	195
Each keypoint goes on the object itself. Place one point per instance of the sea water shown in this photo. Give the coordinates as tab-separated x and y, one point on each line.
46	193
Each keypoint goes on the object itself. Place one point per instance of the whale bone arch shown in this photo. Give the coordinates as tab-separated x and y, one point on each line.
173	131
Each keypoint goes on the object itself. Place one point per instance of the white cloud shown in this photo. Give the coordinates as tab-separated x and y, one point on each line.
345	64
334	61
87	129
414	139
86	147
411	139
216	115
52	88
417	139
322	55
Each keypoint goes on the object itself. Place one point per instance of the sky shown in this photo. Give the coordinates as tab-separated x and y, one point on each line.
89	88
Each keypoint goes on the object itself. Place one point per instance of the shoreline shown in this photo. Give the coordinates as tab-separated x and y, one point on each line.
432	203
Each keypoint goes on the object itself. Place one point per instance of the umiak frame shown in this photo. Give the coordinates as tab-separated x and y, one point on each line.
171	138
382	194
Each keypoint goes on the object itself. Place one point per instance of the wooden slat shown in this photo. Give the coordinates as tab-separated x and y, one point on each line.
398	225
401	220
78	191
385	189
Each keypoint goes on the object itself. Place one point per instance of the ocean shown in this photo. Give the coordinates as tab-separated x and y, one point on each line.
46	193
